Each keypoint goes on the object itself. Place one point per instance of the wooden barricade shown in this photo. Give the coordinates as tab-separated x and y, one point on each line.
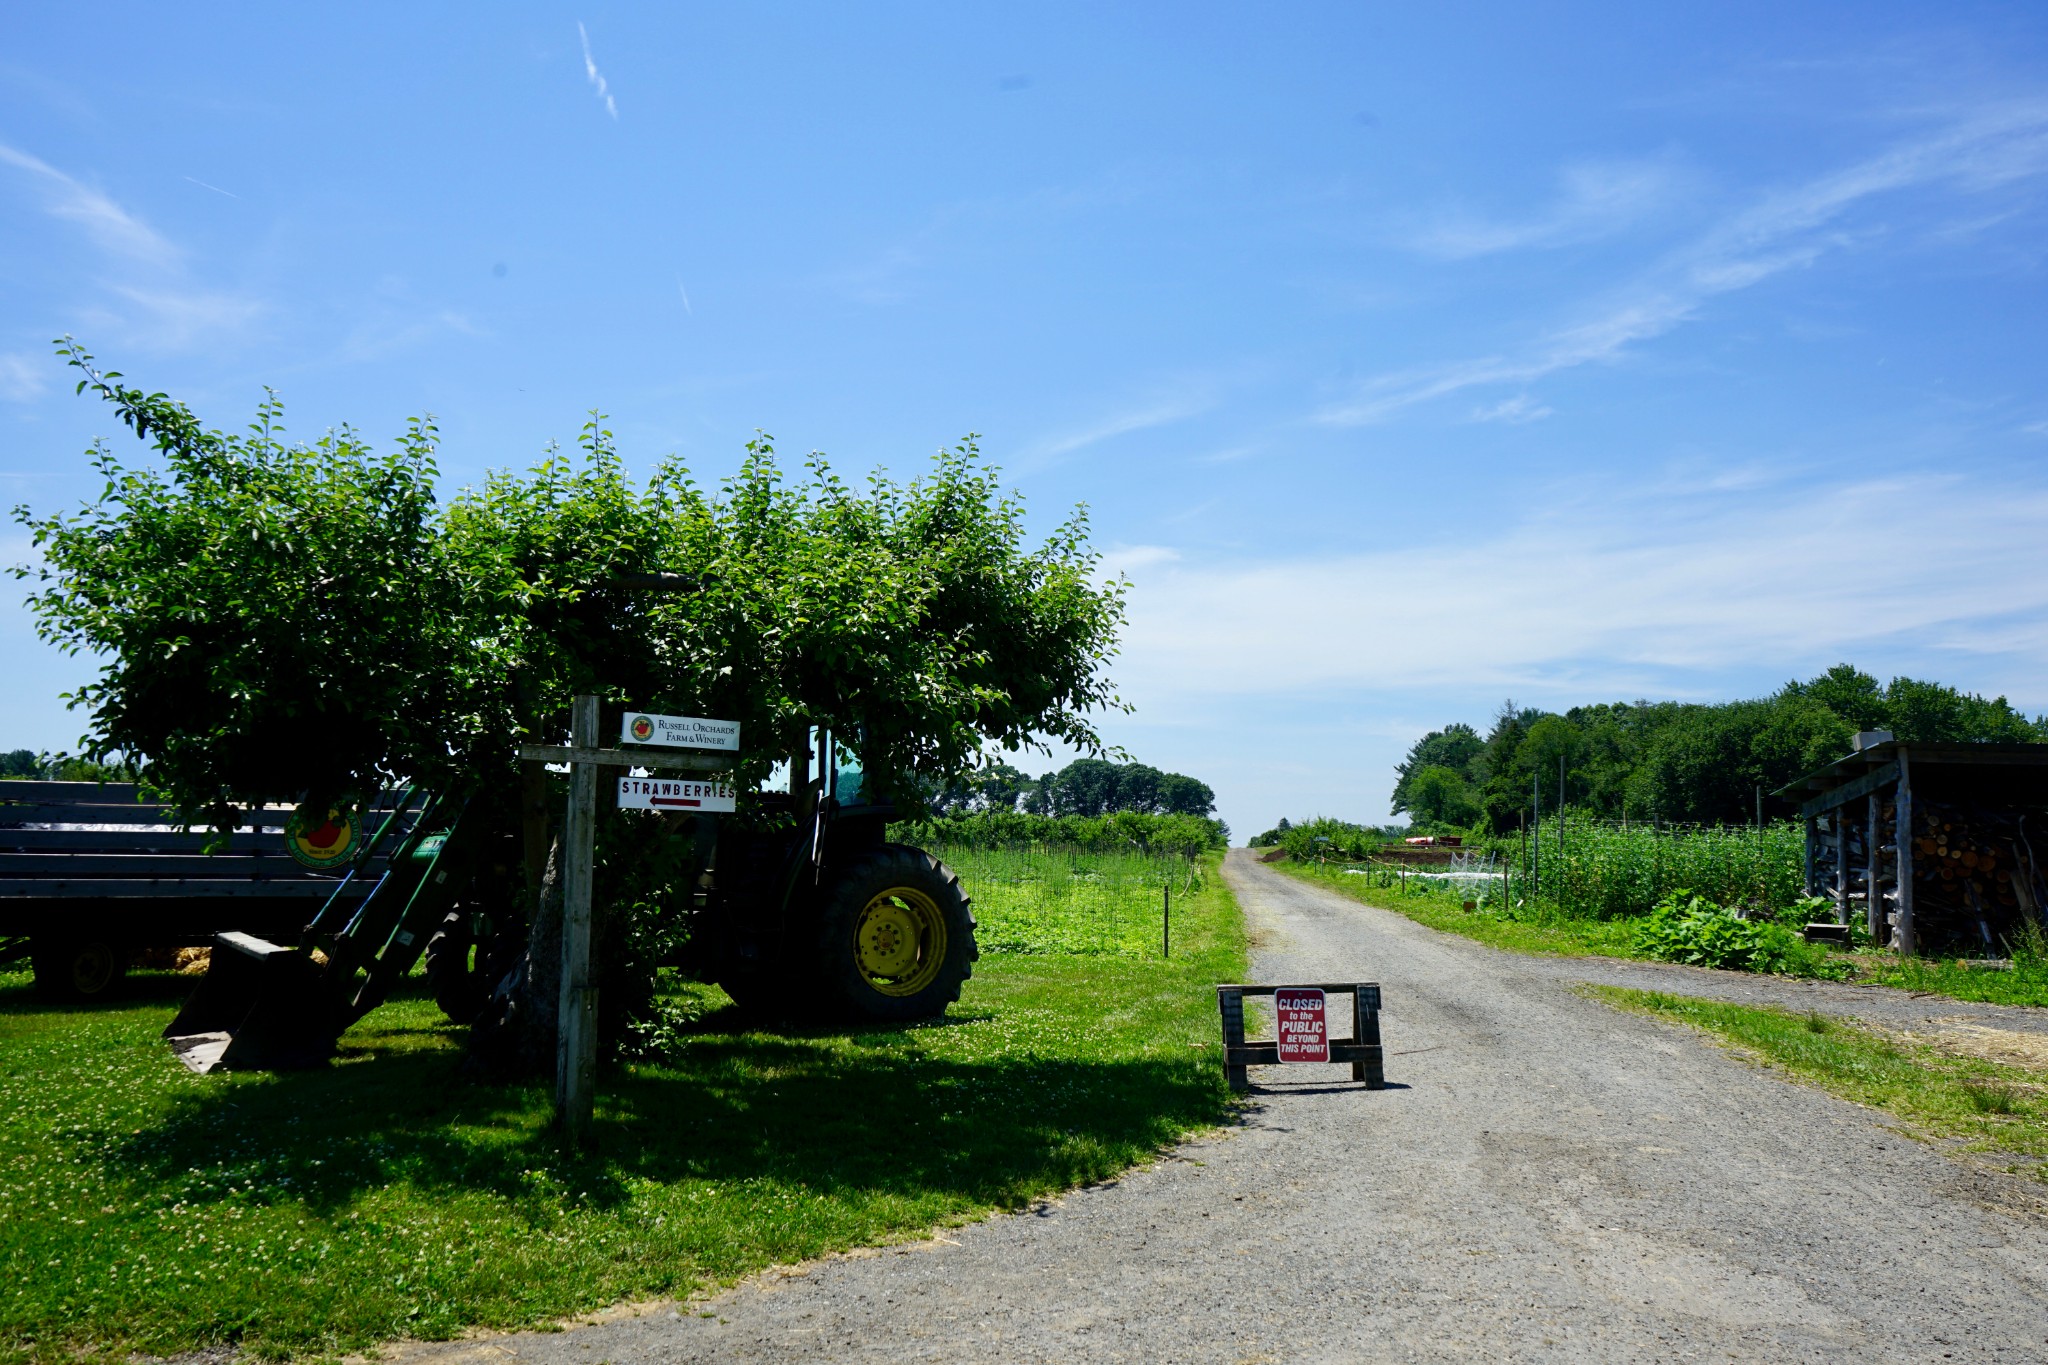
1361	1049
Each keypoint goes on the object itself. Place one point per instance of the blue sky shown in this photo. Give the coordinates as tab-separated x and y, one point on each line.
1409	358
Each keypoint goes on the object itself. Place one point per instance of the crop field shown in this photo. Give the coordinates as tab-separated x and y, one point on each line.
1588	869
144	1209
1047	899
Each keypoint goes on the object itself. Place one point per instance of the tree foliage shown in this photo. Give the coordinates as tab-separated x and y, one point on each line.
283	621
1678	761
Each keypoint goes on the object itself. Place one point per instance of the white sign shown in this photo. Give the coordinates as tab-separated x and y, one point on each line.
680	732
674	793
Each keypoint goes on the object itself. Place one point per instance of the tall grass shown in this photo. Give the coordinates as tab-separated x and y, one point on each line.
1049	898
1582	868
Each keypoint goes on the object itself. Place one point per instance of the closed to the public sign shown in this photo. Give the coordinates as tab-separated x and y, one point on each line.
1302	1024
670	793
680	732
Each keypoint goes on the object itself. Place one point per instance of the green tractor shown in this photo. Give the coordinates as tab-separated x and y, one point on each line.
799	908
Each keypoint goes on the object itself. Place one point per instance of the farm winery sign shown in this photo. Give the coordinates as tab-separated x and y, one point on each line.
680	732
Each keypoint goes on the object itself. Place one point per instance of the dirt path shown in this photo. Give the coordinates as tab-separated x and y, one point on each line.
1553	1181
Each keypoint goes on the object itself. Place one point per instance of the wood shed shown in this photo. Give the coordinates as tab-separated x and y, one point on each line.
1939	847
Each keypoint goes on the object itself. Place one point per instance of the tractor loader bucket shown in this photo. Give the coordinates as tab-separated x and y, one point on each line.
260	1007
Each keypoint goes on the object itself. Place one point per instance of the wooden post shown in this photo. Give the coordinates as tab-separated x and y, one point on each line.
1873	887
1812	833
1902	934
576	1037
1231	1003
1365	1027
1166	921
1840	817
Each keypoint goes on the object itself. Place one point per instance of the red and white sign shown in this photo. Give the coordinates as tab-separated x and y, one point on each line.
1303	1024
671	793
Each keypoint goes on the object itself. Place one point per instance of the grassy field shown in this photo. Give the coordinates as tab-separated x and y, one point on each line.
145	1209
1987	1106
1543	929
1051	900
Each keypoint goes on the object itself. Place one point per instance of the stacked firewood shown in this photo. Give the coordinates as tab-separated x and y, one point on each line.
1976	879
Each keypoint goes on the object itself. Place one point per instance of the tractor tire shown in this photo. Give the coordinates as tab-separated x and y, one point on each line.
895	938
78	969
462	970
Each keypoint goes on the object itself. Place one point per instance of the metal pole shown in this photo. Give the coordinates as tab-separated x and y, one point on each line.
1166	922
576	1028
1536	845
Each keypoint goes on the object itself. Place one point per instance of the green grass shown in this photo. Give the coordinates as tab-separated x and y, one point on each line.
1987	1106
145	1209
1039	899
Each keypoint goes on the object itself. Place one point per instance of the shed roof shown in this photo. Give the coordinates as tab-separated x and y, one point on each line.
1992	773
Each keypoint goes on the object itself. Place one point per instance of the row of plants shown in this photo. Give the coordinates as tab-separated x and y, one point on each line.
1047	898
1181	836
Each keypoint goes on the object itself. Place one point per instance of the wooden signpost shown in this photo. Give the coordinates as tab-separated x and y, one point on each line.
576	1028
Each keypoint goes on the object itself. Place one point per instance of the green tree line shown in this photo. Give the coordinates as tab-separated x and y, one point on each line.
1691	763
1085	787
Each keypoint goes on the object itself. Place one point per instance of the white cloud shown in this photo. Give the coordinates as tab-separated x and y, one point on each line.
597	80
1142	417
1636	585
171	318
1128	558
22	377
1513	411
109	225
1594	200
1786	230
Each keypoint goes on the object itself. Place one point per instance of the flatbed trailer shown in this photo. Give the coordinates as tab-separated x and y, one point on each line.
91	875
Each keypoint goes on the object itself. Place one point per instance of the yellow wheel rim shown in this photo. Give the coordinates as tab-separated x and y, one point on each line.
899	943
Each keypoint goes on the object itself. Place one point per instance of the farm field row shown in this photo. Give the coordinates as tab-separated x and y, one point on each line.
1541	930
146	1209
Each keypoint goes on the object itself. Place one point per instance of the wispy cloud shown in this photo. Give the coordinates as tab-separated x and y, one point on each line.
1160	413
1786	230
22	377
1637	584
109	225
597	80
147	296
215	188
1594	200
1513	411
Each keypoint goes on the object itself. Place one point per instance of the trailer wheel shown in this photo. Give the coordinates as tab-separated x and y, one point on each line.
463	969
78	970
895	937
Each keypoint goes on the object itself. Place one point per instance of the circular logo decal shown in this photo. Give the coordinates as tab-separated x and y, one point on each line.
643	729
321	842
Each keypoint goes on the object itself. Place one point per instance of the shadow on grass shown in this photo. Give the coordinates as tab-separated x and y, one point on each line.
838	1113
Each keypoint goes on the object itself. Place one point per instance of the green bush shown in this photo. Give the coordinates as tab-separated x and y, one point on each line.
1687	928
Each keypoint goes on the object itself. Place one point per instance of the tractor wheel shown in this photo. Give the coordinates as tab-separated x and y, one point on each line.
895	937
78	969
463	970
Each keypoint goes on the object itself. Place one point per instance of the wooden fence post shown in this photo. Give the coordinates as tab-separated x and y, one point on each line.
576	1036
1231	1003
1365	1027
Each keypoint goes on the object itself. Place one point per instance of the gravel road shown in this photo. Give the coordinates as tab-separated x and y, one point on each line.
1550	1180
